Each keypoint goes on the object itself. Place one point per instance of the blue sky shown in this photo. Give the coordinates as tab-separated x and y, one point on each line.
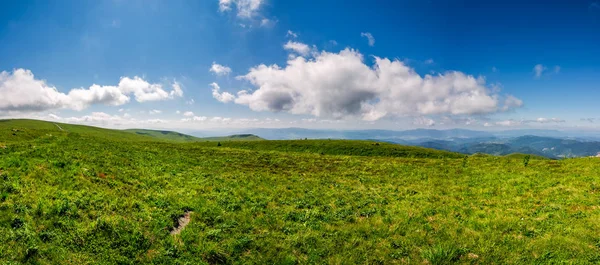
353	65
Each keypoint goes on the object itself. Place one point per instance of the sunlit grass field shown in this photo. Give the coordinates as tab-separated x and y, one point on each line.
82	195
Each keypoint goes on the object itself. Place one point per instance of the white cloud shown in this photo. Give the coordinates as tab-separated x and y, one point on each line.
429	61
547	120
245	8
222	97
423	121
291	34
508	123
190	102
538	70
176	92
219	69
177	112
265	22
369	37
155	111
341	85
225	5
297	47
512	122
21	91
511	102
188	114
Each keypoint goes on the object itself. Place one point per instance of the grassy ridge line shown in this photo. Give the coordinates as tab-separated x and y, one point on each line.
31	129
235	137
340	147
164	135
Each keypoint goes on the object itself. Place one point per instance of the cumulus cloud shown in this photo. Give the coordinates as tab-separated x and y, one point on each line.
341	85
188	114
219	69
297	47
369	37
221	96
245	8
155	111
511	102
22	92
94	117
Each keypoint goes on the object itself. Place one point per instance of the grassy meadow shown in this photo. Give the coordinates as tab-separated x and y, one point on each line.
73	194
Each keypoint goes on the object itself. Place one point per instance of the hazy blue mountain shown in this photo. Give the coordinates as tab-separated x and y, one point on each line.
549	143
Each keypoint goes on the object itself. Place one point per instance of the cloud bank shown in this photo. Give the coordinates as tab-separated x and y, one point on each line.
22	92
341	85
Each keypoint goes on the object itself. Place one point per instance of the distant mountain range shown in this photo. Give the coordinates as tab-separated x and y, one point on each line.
548	143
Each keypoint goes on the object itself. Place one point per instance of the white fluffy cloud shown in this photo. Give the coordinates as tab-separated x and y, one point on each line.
297	47
511	102
341	85
22	92
188	114
245	8
221	96
219	69
369	37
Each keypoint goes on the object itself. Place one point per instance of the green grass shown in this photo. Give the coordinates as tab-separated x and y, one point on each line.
522	156
93	196
339	147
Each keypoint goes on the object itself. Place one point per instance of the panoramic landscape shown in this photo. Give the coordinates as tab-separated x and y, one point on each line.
250	132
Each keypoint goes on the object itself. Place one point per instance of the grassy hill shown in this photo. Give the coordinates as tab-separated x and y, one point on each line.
235	137
165	135
88	195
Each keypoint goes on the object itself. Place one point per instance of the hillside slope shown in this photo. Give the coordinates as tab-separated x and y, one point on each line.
90	199
165	135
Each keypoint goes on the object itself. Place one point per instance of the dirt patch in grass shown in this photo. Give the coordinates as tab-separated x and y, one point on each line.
182	223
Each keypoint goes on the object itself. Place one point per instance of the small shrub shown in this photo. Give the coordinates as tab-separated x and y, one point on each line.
526	160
